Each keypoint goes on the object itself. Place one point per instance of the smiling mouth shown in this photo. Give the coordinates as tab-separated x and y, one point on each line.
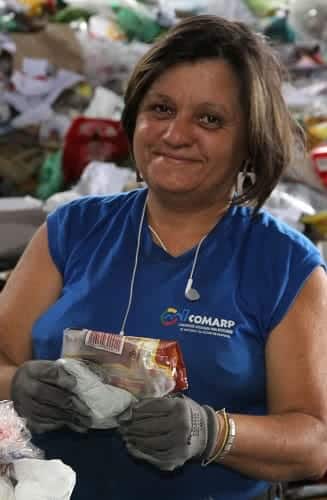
177	159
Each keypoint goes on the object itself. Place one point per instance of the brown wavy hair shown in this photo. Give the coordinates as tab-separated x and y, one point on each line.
272	133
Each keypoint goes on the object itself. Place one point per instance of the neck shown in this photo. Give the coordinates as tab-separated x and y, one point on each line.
181	228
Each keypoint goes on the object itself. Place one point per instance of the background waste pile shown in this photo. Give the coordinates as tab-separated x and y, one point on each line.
63	70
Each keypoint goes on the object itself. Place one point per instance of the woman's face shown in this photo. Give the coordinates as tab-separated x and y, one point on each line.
189	136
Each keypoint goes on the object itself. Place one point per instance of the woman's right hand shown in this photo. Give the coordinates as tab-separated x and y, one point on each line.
42	392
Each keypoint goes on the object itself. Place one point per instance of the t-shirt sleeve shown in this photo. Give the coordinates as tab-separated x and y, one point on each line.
73	224
63	225
297	258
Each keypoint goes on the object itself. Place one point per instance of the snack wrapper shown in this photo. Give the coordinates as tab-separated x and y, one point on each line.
143	366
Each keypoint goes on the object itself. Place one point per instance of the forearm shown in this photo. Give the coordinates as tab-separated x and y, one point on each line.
15	349
7	371
279	447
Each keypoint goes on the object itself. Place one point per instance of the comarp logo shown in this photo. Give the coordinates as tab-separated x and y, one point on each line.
200	323
169	317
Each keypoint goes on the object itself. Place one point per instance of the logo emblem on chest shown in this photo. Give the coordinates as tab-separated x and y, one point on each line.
197	323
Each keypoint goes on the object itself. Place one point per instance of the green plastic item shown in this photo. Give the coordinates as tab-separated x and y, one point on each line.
279	30
8	24
51	178
265	7
69	14
135	25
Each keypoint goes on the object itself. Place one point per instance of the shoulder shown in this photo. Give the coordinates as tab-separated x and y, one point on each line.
275	259
266	234
82	223
88	207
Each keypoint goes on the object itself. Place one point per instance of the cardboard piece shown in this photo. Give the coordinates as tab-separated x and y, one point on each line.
57	43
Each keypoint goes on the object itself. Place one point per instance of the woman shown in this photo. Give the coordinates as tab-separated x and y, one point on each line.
243	294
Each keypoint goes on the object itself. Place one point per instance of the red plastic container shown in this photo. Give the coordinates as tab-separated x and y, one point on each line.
319	159
92	139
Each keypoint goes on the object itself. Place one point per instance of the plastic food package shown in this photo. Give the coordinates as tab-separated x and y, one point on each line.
144	367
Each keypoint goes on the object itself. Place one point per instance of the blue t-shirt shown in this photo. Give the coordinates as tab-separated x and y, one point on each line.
248	273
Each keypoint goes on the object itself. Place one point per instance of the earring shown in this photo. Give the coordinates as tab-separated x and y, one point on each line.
246	179
139	178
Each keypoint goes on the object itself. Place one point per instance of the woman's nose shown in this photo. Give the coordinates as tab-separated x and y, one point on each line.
178	132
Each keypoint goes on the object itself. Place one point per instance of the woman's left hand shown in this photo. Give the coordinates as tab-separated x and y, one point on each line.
170	430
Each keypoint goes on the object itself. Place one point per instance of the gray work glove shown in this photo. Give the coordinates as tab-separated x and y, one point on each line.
169	431
42	393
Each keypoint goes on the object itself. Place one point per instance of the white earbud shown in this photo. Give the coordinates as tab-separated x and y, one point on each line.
191	293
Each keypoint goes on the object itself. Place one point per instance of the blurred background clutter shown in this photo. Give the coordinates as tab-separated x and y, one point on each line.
63	70
64	65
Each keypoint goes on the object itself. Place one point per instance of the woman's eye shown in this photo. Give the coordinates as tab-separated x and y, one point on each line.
161	109
211	121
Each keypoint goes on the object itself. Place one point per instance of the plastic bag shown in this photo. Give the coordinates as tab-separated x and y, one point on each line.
6	489
288	207
15	439
229	9
43	480
23	473
109	63
144	367
309	18
34	479
50	176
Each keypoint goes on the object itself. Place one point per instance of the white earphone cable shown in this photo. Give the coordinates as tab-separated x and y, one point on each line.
190	293
131	288
196	255
188	289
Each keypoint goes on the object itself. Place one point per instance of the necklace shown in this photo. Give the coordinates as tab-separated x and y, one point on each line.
190	292
163	246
